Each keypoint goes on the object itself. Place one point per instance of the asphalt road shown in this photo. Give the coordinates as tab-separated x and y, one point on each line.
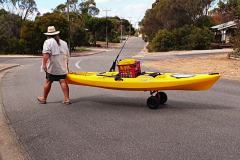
5	59
105	124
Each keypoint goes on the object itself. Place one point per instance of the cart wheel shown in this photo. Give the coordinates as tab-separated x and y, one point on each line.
153	102
162	97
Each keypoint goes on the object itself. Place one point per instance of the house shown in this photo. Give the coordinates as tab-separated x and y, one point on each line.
224	32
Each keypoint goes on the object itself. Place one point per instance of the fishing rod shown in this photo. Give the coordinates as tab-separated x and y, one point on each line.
112	69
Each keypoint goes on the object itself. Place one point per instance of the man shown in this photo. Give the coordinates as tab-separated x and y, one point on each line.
55	64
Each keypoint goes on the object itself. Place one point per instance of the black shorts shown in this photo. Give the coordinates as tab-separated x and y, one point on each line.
52	77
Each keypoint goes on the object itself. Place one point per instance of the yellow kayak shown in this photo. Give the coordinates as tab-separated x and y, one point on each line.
146	82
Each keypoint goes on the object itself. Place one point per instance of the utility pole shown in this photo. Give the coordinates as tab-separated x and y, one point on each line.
106	10
121	31
130	29
69	29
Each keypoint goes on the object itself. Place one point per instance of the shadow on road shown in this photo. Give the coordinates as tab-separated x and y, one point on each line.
133	102
113	101
179	105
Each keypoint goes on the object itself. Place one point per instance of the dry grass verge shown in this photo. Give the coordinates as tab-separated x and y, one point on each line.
228	68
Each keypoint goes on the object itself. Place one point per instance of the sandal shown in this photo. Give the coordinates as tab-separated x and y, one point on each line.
41	101
66	102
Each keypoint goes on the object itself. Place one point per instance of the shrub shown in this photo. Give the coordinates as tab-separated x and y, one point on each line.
80	38
115	40
236	46
163	41
184	38
200	38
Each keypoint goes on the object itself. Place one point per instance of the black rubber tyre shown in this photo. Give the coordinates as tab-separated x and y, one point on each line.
162	97
153	102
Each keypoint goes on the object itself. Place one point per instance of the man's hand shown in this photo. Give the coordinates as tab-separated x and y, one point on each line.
44	68
67	67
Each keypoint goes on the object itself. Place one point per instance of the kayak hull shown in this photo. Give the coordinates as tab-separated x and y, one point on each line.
165	81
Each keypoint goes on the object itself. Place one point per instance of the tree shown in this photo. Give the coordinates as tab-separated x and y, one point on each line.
97	27
77	28
23	8
170	14
216	17
28	7
93	25
88	7
127	27
227	10
76	25
73	5
10	25
30	38
18	34
61	23
60	8
49	19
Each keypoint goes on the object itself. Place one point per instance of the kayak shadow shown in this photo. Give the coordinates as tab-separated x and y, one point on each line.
140	102
180	105
115	101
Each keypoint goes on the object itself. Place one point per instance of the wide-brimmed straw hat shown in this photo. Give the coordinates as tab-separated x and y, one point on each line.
51	31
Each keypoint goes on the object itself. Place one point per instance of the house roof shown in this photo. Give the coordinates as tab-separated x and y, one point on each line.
225	25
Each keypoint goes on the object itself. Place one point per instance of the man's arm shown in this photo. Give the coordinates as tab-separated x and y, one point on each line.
68	56
45	60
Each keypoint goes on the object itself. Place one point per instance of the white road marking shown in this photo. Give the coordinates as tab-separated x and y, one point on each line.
77	64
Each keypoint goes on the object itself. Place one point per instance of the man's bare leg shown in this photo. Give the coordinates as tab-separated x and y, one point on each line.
65	90
46	90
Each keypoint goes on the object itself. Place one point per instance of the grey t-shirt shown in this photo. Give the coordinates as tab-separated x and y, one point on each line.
59	56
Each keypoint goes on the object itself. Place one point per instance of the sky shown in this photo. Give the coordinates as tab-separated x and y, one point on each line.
133	10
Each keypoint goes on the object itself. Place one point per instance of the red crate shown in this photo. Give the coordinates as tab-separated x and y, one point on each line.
130	70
